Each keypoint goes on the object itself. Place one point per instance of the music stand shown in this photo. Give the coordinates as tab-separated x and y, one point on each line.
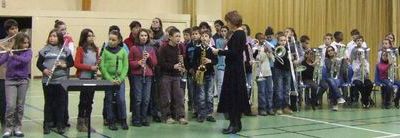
89	85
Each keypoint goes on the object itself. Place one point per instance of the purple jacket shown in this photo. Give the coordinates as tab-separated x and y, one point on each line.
17	65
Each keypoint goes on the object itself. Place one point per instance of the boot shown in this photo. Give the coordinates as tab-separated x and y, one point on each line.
111	125
87	125
81	125
46	128
230	128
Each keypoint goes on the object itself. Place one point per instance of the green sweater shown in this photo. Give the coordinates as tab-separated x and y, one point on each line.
108	65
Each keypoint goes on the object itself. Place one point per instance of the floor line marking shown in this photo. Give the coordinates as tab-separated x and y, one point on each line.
341	125
389	136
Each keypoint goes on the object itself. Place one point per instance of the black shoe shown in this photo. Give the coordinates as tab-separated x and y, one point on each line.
200	119
396	103
111	126
60	130
124	125
249	114
46	129
230	130
210	119
145	123
156	119
136	124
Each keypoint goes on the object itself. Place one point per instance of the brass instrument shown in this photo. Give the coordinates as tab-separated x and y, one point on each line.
362	53
279	53
317	73
292	71
392	58
199	76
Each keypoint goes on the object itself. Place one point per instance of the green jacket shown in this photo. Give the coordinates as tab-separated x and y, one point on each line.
108	65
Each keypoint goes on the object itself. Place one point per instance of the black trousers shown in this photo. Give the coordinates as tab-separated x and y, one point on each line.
85	104
364	89
55	104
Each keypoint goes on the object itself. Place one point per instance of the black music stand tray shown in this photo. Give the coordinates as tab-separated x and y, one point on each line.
93	85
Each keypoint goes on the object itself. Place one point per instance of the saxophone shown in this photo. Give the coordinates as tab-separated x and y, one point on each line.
199	76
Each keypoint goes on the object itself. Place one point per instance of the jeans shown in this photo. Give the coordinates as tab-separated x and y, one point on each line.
191	83
265	94
15	99
142	87
205	96
334	89
387	92
119	97
282	87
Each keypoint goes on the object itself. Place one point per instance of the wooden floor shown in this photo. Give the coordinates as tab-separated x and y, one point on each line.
346	123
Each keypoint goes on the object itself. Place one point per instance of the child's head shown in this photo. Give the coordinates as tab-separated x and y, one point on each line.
309	54
330	52
338	36
156	24
305	41
60	26
186	34
391	37
328	39
386	44
11	27
86	38
22	41
233	19
205	37
143	37
260	37
113	27
204	26
290	32
224	31
218	25
174	36
169	29
359	40
55	38
135	27
354	34
195	33
282	39
269	33
114	38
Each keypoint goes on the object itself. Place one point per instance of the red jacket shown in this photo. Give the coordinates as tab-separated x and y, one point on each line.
130	41
136	54
78	63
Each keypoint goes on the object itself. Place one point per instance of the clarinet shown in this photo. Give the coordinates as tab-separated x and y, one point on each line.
144	64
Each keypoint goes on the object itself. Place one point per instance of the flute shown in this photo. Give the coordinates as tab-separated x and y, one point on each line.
14	50
54	66
5	40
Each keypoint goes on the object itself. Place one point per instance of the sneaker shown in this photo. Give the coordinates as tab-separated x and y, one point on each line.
7	134
211	119
335	108
18	132
170	121
340	101
287	111
279	112
262	113
183	121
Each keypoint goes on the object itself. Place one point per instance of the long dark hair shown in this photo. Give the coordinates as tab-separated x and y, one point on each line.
137	39
83	40
57	23
20	39
160	33
60	37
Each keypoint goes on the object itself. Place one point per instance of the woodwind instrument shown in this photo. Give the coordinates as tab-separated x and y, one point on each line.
54	66
144	63
202	68
14	50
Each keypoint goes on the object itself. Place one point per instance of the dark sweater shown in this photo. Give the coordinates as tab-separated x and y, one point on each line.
168	57
209	55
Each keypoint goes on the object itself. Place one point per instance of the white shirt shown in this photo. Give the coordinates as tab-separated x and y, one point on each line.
351	45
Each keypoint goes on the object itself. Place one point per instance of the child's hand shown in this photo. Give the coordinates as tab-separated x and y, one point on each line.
206	61
94	68
116	82
61	64
47	72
